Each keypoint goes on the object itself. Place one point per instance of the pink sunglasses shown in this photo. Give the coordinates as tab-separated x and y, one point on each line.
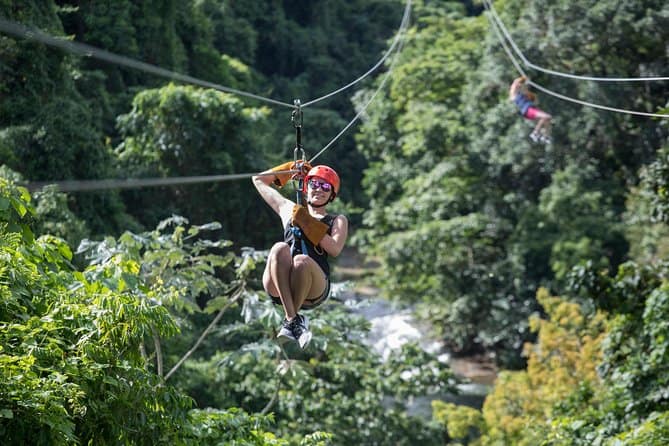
325	186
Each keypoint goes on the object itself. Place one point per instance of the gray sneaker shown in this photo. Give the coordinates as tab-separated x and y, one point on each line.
534	137
301	330
286	332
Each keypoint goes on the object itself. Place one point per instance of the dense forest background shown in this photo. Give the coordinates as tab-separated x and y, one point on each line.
136	317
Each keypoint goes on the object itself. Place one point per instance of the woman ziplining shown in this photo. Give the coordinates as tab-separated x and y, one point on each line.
297	275
525	101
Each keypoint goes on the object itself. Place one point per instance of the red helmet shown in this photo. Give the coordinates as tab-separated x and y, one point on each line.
325	173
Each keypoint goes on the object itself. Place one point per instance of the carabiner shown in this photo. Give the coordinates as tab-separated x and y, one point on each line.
296	117
298	154
299	158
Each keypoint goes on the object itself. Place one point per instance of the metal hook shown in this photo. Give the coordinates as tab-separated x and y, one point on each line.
296	116
296	156
297	123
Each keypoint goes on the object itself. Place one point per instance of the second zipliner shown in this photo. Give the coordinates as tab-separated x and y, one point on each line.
525	100
297	274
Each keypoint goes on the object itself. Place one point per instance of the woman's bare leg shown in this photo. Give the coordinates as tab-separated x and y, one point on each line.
537	128
277	277
306	280
544	124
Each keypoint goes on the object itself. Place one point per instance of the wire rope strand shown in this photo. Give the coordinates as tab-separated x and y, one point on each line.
564	97
506	48
86	50
362	110
529	64
593	105
400	31
134	183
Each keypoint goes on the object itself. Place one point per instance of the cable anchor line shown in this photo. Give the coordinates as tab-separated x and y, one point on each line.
136	183
82	49
362	110
86	50
299	157
527	63
396	40
498	28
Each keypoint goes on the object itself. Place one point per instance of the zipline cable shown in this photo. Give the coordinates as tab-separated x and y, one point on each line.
506	48
133	183
529	64
561	96
362	110
601	107
83	49
400	31
91	185
86	50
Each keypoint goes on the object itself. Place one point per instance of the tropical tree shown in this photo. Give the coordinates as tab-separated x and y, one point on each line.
73	369
454	151
186	131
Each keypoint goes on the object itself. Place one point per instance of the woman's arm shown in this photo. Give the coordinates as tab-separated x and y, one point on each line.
279	204
515	87
333	244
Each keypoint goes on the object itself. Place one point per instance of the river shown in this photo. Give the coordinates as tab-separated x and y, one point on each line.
393	326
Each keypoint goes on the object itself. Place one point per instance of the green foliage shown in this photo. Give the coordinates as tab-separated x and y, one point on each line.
215	427
463	423
184	131
49	130
571	215
239	364
336	386
656	186
55	218
72	369
16	209
565	357
446	144
649	238
175	265
592	378
653	431
633	408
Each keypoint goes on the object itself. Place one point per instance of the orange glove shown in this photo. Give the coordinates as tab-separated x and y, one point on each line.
312	229
282	178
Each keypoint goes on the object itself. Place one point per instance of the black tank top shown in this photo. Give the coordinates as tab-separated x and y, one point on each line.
315	252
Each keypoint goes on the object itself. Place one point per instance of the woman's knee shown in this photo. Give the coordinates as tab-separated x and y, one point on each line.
306	265
302	262
278	249
543	115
